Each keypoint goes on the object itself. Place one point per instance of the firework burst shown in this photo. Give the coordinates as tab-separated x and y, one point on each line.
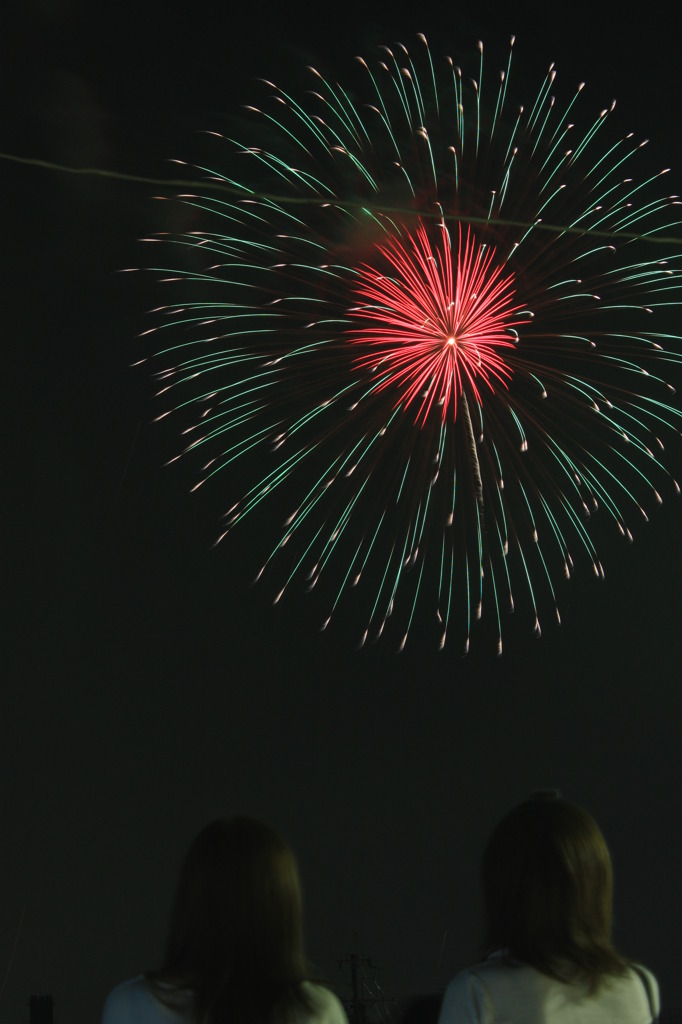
429	326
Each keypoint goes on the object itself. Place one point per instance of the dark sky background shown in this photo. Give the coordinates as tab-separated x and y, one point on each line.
149	688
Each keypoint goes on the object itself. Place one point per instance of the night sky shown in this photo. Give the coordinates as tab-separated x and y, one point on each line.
149	687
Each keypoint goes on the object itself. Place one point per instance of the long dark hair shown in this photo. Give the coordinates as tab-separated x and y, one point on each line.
235	937
548	889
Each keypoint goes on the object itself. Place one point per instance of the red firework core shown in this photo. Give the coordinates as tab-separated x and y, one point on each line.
432	329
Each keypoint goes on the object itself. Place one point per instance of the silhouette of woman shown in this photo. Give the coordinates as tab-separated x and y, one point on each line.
234	951
547	885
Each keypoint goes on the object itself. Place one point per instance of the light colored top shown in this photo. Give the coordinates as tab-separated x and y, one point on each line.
134	1002
501	992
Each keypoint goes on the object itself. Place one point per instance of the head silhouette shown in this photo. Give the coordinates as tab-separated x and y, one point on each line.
548	890
235	935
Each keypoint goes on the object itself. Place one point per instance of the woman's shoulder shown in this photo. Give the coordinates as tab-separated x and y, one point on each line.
120	1002
475	993
650	985
326	1006
135	1002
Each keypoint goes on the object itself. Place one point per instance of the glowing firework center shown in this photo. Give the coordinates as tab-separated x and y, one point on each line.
434	330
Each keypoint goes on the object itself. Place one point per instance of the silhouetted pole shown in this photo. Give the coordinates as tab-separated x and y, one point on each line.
358	1008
